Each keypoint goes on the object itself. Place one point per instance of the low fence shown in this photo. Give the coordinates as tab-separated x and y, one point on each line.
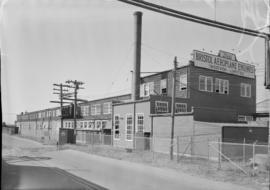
245	157
250	158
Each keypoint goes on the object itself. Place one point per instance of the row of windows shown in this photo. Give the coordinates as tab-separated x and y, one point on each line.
221	86
147	89
96	109
129	125
91	124
39	115
162	107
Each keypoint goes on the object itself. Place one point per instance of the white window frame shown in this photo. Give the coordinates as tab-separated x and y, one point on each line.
147	89
161	111
221	85
98	127
245	118
247	90
205	78
162	83
137	122
114	130
95	110
108	106
180	104
128	115
183	82
85	110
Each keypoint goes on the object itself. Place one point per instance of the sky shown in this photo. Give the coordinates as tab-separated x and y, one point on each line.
45	42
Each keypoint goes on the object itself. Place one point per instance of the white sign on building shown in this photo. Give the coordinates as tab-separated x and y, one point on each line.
213	62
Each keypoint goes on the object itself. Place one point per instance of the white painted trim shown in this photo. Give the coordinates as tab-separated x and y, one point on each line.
117	139
162	102
136	124
129	114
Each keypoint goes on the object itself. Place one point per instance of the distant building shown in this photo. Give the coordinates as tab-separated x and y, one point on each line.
92	117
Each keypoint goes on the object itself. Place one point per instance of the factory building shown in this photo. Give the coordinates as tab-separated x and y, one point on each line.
92	117
210	88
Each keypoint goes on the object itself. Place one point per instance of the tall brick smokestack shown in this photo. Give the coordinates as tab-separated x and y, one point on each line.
137	56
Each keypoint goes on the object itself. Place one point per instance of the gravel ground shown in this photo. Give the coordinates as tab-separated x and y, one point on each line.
196	167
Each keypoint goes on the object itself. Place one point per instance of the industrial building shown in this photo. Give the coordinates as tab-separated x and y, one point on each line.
215	89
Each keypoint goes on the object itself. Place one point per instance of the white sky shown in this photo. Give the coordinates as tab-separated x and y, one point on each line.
45	42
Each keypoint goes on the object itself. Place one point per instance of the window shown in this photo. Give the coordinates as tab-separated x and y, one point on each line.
183	82
205	83
129	124
140	122
72	125
68	124
91	124
81	124
107	108
180	107
116	127
161	106
146	89
85	110
103	124
245	90
222	86
98	125
85	124
244	118
163	87
96	109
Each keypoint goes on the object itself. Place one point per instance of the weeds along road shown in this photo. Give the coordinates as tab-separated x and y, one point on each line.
106	172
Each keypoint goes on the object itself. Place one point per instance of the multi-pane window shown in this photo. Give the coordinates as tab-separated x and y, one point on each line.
85	124
244	118
85	110
222	86
98	125
163	86
81	124
146	89
205	83
180	107
91	124
68	124
107	108
116	127
161	106
96	109
129	124
103	124
245	90
140	122
183	82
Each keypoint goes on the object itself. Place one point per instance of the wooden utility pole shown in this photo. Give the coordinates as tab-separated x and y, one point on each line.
173	105
76	85
60	92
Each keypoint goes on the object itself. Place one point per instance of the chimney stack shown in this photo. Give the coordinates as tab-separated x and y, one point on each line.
137	57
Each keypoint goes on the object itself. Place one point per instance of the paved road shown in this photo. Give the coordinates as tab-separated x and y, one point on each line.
26	171
123	175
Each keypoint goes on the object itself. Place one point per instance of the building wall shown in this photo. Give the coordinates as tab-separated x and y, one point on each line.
46	131
233	100
128	108
194	137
